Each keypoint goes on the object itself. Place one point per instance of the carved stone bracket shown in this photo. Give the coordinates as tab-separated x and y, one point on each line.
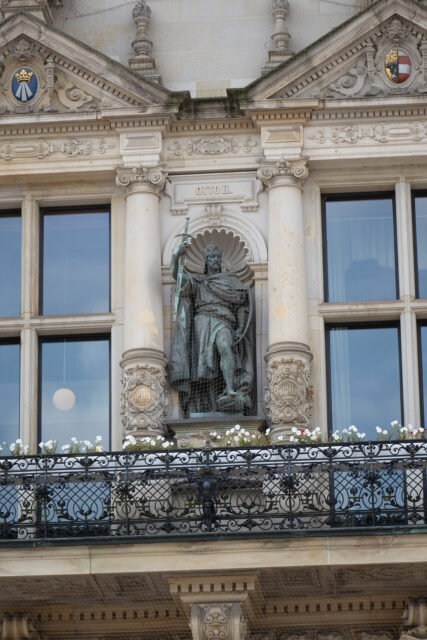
143	63
218	621
288	395
144	397
415	619
281	37
147	178
294	171
18	627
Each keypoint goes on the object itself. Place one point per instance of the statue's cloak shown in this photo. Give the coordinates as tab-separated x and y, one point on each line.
208	304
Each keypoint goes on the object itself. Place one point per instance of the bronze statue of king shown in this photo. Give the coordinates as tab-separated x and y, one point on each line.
211	363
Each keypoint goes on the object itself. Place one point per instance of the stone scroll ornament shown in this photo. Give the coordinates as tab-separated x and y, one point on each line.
212	364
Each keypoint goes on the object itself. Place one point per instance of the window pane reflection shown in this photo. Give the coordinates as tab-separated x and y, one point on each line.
75	390
10	266
360	250
76	263
423	349
364	378
420	205
9	393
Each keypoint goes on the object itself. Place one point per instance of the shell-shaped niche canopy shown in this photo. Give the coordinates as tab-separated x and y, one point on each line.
235	255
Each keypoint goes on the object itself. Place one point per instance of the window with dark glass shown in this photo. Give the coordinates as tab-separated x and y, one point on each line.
75	262
10	265
364	377
9	391
422	328
75	389
420	228
359	248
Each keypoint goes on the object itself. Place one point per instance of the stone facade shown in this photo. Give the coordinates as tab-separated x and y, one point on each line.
115	106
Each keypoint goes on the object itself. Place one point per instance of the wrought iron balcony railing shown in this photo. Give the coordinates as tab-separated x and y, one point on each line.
262	491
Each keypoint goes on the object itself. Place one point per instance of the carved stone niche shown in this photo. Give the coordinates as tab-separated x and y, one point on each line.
235	254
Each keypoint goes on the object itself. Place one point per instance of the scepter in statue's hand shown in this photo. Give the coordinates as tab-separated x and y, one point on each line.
182	250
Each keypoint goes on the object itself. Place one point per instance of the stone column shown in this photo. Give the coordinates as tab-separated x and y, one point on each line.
143	403
288	398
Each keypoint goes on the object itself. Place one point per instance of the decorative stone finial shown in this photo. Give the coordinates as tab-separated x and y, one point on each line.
143	63
281	37
39	8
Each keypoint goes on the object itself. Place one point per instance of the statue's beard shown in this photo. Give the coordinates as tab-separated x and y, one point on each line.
213	267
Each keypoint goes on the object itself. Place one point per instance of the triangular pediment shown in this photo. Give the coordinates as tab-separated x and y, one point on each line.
380	52
45	70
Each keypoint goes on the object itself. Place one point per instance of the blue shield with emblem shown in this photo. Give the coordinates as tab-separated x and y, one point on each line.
24	84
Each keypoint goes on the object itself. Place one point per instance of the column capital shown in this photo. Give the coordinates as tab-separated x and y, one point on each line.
283	172
141	179
415	619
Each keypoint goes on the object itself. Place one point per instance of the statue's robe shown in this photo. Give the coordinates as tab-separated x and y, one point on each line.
208	304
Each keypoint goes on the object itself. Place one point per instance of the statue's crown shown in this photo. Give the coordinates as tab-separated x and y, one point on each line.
24	75
391	57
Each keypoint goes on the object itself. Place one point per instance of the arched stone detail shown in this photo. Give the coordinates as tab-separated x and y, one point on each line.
240	241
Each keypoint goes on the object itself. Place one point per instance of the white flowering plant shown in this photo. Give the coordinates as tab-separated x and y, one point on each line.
304	436
237	436
399	432
51	447
17	448
147	443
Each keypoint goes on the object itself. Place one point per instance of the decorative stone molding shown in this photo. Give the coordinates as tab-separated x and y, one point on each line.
218	621
15	149
141	178
144	398
294	170
18	626
281	37
213	145
40	8
143	64
288	396
415	619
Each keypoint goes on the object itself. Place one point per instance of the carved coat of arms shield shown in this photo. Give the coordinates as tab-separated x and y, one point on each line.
398	66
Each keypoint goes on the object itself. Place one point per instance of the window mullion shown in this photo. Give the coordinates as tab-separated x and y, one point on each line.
30	258
28	383
405	246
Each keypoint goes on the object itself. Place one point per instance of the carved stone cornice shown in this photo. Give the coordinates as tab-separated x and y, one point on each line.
283	171
142	179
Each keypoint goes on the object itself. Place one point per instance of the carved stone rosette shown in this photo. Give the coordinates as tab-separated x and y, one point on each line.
415	620
147	178
294	170
144	396
288	394
218	621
